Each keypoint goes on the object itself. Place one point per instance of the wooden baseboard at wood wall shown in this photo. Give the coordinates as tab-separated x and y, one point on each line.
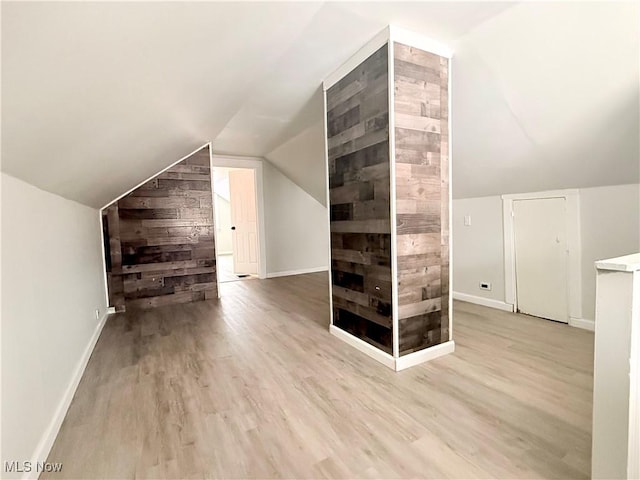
389	361
425	355
366	348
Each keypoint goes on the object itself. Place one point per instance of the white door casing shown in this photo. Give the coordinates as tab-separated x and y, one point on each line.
572	199
243	217
540	240
255	164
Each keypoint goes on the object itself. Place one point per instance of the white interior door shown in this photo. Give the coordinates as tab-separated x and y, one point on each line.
244	221
541	254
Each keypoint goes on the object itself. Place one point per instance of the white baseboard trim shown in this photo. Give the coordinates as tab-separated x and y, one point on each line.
111	310
48	438
583	323
297	272
373	352
225	253
487	302
387	360
425	355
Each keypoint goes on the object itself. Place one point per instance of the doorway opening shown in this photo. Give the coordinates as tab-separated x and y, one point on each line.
236	220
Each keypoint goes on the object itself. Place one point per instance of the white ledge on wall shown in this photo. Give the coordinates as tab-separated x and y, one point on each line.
626	263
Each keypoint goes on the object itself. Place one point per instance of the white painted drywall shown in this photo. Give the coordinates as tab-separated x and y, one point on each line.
634	387
478	254
133	81
297	231
609	227
529	102
53	280
616	317
302	160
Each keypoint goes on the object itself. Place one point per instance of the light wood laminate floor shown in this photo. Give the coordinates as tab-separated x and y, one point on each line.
254	386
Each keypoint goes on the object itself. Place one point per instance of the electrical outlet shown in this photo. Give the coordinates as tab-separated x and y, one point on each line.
97	314
467	220
485	286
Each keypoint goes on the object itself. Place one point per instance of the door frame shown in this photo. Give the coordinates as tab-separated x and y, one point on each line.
574	270
255	164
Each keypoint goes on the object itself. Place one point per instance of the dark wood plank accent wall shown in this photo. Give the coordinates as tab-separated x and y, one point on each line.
422	197
115	286
359	201
165	233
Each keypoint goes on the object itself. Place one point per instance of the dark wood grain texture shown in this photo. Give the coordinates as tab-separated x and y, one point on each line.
359	181
165	245
115	284
422	197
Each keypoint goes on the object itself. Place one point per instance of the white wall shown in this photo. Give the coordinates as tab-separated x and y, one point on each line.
301	158
53	281
297	230
610	227
615	376
478	248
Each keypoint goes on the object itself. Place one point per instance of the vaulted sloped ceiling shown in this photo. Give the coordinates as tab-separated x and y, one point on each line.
96	97
546	96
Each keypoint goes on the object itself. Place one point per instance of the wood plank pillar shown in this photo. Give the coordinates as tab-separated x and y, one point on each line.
387	148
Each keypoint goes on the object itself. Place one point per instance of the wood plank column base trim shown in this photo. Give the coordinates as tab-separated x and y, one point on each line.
425	355
387	360
373	352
